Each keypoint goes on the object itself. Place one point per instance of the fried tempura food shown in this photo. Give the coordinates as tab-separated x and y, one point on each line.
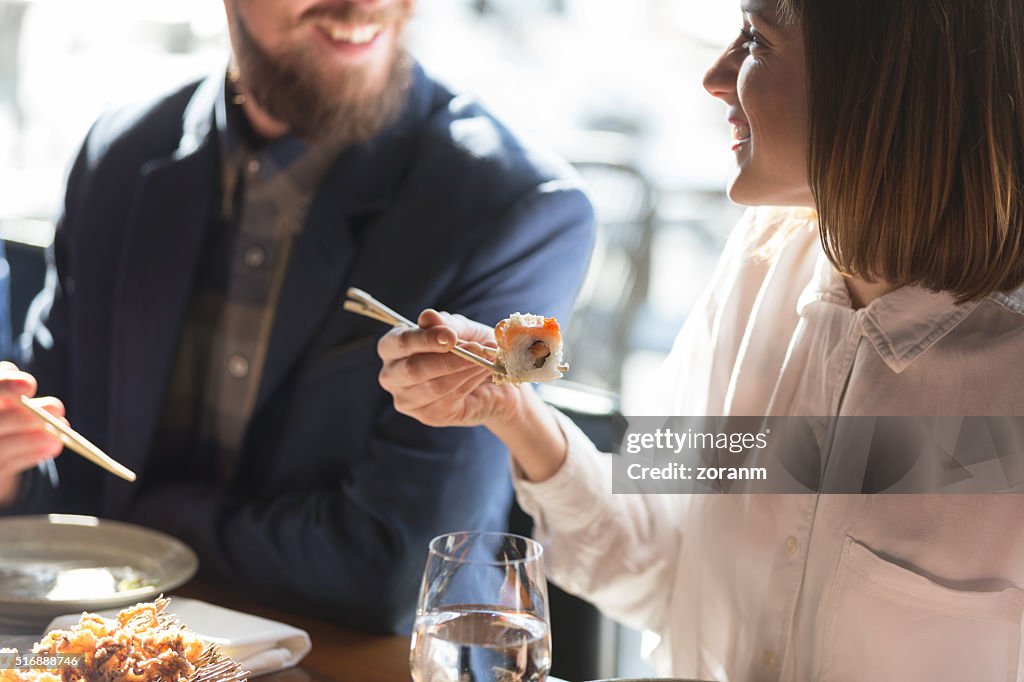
140	645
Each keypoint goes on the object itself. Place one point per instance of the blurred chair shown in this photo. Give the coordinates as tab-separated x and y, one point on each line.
584	641
25	270
616	286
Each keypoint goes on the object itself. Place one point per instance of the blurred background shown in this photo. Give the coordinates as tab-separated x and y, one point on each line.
614	86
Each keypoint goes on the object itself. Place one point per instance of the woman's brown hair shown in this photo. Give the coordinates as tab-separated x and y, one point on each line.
916	154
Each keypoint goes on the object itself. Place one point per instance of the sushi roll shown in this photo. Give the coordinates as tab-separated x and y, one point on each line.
529	349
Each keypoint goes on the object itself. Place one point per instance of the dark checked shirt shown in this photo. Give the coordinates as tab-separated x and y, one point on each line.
266	190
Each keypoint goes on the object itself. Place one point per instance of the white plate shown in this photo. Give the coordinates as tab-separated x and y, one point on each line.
50	565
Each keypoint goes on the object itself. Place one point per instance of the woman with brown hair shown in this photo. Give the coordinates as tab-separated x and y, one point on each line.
893	130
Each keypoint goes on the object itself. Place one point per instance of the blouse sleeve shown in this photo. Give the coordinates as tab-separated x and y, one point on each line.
614	550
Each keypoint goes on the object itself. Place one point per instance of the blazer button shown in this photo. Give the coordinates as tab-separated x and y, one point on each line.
238	366
254	257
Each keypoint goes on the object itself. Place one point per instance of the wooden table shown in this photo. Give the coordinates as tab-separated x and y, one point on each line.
339	654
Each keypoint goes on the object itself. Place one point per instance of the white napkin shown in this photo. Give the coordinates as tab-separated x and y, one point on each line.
260	645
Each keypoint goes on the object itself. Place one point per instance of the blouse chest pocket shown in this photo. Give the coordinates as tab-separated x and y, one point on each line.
886	623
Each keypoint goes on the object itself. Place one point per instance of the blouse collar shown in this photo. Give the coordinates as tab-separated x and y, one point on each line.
901	324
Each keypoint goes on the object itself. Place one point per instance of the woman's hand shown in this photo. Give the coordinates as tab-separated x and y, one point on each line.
438	388
24	440
441	389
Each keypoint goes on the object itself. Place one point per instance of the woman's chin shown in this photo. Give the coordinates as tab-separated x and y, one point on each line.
740	192
745	191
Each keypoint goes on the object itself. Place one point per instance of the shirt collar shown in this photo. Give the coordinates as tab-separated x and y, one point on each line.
288	167
236	136
903	323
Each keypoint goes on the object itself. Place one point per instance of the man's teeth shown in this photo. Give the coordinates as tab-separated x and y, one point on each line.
355	34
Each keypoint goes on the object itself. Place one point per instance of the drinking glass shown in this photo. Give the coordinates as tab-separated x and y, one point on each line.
483	611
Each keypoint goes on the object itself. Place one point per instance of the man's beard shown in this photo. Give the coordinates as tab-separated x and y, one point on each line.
337	110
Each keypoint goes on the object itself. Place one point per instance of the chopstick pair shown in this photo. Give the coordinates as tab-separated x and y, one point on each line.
362	303
78	443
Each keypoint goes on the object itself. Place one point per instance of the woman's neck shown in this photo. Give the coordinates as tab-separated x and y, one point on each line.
863	292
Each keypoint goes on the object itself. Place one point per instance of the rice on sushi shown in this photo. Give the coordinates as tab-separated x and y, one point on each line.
529	349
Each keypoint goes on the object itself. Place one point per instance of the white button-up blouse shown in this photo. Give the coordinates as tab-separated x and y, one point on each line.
806	587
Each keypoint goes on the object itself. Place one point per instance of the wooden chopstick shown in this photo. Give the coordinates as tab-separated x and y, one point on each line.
373	304
79	443
362	303
360	309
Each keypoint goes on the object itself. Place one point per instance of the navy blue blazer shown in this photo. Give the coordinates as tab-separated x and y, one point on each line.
337	494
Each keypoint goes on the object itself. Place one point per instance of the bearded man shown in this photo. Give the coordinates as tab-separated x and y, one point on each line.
192	320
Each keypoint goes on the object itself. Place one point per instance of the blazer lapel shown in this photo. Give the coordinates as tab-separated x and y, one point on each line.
320	260
160	254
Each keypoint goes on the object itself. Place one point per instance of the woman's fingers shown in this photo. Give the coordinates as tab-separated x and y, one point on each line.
402	342
478	349
437	333
449	387
470	403
412	357
464	328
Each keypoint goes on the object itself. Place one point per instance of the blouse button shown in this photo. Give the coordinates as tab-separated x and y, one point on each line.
792	545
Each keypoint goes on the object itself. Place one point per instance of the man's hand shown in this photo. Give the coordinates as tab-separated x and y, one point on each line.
24	440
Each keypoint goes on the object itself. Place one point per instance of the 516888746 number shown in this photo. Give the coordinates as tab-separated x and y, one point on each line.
10	659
